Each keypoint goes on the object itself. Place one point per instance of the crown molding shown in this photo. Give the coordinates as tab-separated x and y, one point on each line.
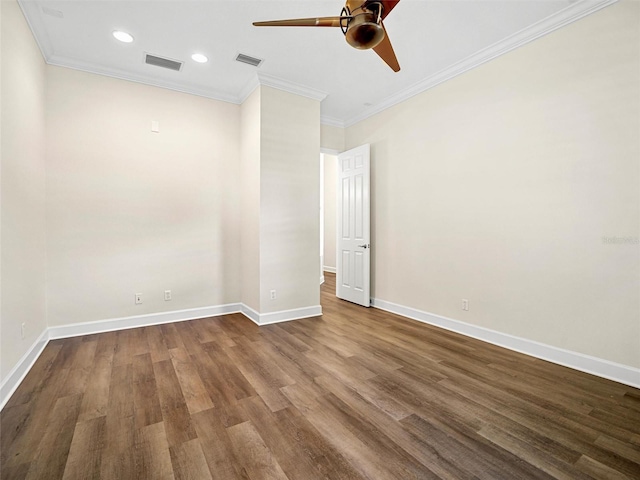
248	89
568	15
291	87
331	121
113	73
34	20
558	20
274	82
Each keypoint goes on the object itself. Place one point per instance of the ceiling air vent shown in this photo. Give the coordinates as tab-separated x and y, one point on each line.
162	62
248	60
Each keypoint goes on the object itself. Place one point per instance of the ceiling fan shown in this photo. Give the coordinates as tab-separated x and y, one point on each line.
361	23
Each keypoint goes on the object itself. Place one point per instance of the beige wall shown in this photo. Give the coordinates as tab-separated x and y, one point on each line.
133	211
289	201
250	187
330	186
499	186
332	138
23	260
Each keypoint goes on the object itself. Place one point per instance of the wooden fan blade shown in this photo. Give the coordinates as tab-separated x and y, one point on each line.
353	5
386	53
387	5
302	22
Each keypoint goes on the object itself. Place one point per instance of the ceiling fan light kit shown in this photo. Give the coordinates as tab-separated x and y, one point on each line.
361	24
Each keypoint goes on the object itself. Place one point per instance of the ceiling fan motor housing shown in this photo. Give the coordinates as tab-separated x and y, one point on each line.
364	31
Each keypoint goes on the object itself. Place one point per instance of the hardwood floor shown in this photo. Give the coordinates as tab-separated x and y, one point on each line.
357	393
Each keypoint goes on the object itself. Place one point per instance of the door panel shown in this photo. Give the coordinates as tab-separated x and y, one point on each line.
353	267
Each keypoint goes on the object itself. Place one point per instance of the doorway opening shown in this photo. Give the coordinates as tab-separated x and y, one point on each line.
328	192
345	222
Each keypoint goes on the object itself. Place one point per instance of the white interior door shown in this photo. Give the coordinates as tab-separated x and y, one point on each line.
353	247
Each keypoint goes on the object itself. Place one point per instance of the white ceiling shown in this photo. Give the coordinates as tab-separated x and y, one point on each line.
433	40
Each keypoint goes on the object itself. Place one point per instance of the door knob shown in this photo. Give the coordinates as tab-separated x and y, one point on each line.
366	245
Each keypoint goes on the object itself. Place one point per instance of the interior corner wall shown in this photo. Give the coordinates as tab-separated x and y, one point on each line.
250	199
515	186
132	211
23	238
289	201
332	138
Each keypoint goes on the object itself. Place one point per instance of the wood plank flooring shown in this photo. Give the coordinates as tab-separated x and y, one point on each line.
355	394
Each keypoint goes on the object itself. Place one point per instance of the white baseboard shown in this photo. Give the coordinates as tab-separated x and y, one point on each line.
288	315
17	373
282	316
578	361
321	279
101	326
329	269
585	363
251	314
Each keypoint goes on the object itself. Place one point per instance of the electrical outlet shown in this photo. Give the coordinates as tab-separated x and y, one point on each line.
23	330
465	304
138	298
167	295
273	294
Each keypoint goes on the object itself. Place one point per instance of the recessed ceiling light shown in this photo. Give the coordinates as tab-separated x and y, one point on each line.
198	57
123	36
